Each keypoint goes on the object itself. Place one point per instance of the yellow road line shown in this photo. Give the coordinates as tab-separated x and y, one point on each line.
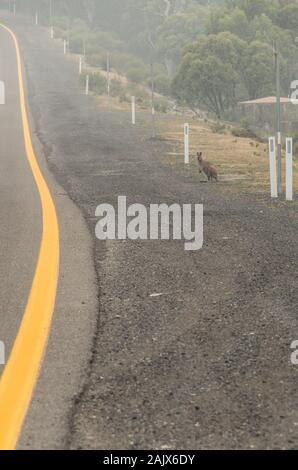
20	374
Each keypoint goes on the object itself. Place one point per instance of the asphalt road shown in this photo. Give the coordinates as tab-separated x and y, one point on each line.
69	344
20	212
204	365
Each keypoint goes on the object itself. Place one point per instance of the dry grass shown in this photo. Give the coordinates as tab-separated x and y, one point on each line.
243	164
113	102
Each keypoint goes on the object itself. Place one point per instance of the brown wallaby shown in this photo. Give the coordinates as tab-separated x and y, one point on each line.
206	168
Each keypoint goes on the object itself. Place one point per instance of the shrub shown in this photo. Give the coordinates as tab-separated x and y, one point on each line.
60	33
160	105
295	150
98	60
76	43
137	74
124	62
162	84
97	82
96	41
218	128
60	22
124	98
245	123
79	26
244	133
142	97
116	88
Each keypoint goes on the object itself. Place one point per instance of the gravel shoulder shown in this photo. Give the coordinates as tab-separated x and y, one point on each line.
206	364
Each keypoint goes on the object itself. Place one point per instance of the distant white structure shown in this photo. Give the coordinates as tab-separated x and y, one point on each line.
2	93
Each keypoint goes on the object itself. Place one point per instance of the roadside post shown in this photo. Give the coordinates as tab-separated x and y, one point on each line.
52	32
64	46
36	18
152	100
87	85
80	65
278	118
84	48
272	165
289	169
14	9
2	92
108	74
186	144
133	110
2	353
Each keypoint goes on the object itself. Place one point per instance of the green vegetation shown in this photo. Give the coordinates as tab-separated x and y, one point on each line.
243	133
207	54
234	60
136	33
97	82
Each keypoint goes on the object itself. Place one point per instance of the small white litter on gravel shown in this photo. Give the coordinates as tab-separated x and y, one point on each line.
156	295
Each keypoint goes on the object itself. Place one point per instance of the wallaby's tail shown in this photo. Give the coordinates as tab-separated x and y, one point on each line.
214	173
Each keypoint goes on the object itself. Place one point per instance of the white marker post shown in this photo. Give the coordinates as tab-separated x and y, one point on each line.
133	110
80	65
2	353
289	169
108	74
272	164
36	18
2	93
186	144
64	46
87	85
52	32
